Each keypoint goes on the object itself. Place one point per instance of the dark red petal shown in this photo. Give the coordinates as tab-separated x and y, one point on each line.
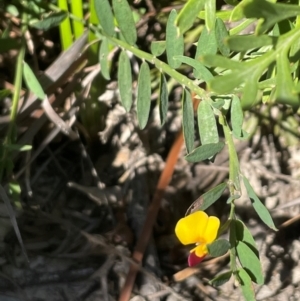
194	259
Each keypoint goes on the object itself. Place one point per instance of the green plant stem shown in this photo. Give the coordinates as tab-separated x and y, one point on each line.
162	67
232	212
10	139
234	167
66	35
241	26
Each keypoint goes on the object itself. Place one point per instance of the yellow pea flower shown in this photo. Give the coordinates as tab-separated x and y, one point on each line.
200	229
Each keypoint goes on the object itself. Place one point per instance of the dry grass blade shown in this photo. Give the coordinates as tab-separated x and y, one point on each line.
54	117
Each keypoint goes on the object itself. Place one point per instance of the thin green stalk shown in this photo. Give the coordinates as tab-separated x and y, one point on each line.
65	30
234	167
10	137
161	66
232	212
77	10
241	27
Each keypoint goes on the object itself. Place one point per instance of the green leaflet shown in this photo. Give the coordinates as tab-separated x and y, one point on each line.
244	235
105	16
125	81
211	196
188	14
249	92
125	20
220	61
208	198
204	152
210	14
246	42
285	87
188	120
50	21
221	36
103	58
207	43
221	279
224	84
32	82
174	41
236	116
158	47
246	285
207	123
143	95
163	99
200	71
250	262
258	206
218	248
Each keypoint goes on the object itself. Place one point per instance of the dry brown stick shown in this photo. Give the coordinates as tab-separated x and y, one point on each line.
163	182
140	248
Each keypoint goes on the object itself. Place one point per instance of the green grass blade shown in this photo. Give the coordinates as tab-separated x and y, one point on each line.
77	10
65	30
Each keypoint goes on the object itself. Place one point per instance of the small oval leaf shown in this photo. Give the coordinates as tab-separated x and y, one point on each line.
221	36
258	206
143	95
250	262
207	199
244	235
125	20
188	14
212	196
207	43
249	93
163	99
204	152
50	21
200	71
174	41
246	284
221	279
103	58
188	120
285	87
105	16
32	82
158	47
125	80
207	123
236	116
218	248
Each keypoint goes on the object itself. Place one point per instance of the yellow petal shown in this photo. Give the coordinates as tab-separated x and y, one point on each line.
211	230
201	250
191	229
